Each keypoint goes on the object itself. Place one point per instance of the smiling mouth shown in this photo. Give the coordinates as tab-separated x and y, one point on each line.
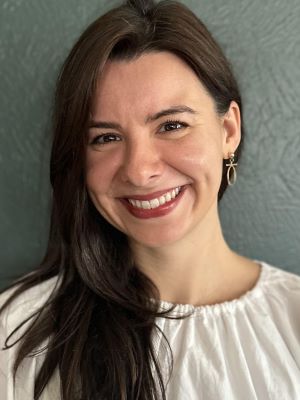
157	201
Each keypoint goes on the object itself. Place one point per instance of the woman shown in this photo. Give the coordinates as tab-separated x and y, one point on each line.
139	296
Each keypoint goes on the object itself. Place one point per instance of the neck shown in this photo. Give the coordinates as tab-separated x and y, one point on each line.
193	270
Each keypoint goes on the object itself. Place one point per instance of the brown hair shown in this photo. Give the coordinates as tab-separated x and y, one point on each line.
100	305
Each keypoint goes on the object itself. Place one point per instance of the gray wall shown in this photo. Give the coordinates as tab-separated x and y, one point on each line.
260	214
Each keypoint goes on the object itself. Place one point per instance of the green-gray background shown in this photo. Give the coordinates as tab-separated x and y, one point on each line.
260	214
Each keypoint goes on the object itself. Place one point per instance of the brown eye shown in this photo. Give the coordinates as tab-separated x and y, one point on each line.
106	138
172	126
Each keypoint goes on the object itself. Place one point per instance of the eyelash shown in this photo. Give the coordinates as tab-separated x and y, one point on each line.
168	122
104	136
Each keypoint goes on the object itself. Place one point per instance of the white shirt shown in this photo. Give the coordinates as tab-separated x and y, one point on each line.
242	349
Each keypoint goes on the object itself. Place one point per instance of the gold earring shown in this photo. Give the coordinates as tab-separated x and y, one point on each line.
231	176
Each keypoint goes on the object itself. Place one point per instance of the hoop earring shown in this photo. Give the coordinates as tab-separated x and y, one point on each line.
231	176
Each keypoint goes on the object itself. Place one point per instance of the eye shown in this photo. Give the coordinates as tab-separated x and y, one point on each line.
105	138
172	126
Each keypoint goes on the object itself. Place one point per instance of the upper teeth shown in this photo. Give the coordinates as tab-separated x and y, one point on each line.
154	203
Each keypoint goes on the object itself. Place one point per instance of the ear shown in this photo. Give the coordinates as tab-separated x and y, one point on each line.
232	129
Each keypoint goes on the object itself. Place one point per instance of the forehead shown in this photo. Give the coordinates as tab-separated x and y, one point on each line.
146	84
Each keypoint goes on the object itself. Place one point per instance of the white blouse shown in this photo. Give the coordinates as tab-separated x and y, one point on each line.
243	349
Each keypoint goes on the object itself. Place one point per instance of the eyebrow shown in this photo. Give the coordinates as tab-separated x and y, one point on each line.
180	109
170	111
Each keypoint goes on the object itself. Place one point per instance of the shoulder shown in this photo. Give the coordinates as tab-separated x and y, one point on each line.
280	277
24	305
278	310
17	312
281	289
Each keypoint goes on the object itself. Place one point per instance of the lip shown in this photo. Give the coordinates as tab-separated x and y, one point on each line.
154	195
160	211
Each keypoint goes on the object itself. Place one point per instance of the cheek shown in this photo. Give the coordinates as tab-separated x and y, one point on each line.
100	171
195	156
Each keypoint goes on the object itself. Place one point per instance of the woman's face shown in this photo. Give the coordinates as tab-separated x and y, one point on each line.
155	149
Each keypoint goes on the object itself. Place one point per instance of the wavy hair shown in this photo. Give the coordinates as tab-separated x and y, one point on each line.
98	321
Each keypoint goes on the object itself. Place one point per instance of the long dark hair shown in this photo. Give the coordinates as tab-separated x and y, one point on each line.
99	320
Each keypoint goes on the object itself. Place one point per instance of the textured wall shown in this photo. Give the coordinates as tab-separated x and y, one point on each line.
260	214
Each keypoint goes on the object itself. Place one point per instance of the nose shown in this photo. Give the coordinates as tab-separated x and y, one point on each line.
142	163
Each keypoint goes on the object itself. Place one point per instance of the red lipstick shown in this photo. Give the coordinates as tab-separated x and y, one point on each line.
160	211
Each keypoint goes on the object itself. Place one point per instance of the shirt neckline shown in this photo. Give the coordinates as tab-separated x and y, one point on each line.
225	306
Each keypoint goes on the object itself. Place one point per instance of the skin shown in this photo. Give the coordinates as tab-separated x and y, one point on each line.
183	252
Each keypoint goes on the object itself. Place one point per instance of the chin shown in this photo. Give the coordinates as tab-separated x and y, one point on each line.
157	239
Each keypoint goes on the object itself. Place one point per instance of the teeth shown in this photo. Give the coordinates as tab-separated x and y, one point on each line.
168	197
154	203
146	205
162	200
